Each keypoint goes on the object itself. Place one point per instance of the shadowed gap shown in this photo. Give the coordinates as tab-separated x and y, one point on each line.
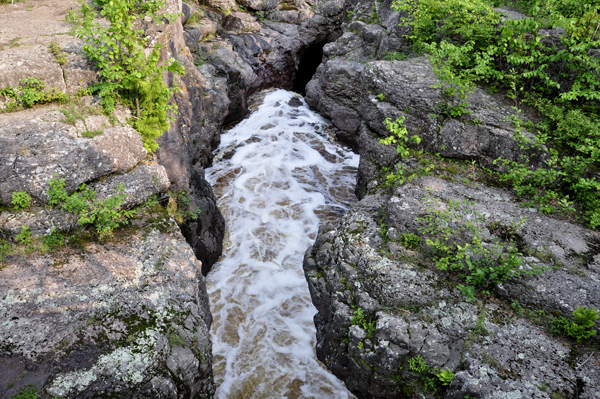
309	62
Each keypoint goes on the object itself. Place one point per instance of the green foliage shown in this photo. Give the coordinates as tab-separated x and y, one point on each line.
58	52
457	245
410	240
27	392
399	136
381	97
467	44
5	249
127	74
580	328
179	207
358	318
92	133
417	364
31	91
24	236
53	240
394	56
566	173
21	199
104	215
445	376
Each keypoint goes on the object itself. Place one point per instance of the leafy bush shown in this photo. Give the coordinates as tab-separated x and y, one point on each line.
54	240
359	319
31	91
127	74
24	236
445	376
399	137
417	364
581	326
21	199
104	214
468	43
410	240
458	246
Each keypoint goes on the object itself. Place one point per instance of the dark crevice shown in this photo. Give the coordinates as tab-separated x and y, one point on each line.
309	62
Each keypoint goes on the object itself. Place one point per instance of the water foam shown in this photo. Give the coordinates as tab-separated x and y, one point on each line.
278	174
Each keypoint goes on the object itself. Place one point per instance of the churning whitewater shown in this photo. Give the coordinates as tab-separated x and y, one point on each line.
278	174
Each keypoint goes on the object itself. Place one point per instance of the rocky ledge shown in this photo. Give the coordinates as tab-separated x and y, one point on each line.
129	316
412	309
391	317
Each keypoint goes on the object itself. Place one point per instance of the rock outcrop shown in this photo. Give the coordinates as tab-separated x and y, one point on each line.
129	317
358	90
388	319
125	315
415	310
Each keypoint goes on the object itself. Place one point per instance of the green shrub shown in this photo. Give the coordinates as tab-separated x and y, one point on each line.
417	364
399	136
445	376
467	45
27	392
54	240
580	328
104	215
24	236
410	240
31	91
457	245
358	318
21	199
127	74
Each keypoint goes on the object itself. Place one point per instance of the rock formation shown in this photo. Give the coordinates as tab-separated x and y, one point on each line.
388	319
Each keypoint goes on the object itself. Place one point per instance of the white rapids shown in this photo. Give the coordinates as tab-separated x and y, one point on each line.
278	174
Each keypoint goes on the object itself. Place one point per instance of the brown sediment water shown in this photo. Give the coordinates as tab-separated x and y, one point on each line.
278	175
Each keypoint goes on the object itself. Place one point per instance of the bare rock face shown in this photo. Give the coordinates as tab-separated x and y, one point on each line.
25	38
37	144
416	310
127	317
260	5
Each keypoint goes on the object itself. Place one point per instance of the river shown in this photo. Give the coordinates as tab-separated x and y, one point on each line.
278	175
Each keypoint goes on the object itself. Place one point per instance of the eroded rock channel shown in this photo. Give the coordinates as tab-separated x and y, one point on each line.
210	290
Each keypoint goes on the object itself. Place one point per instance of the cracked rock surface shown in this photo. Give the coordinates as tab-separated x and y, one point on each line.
418	310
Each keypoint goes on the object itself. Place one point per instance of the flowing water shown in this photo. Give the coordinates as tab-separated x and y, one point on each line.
278	175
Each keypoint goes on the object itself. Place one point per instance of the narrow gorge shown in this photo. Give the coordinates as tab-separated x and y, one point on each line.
325	216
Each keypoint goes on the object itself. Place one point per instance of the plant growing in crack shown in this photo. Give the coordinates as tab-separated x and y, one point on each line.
457	245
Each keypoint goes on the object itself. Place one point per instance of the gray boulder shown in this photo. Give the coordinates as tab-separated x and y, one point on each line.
127	317
37	144
410	309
